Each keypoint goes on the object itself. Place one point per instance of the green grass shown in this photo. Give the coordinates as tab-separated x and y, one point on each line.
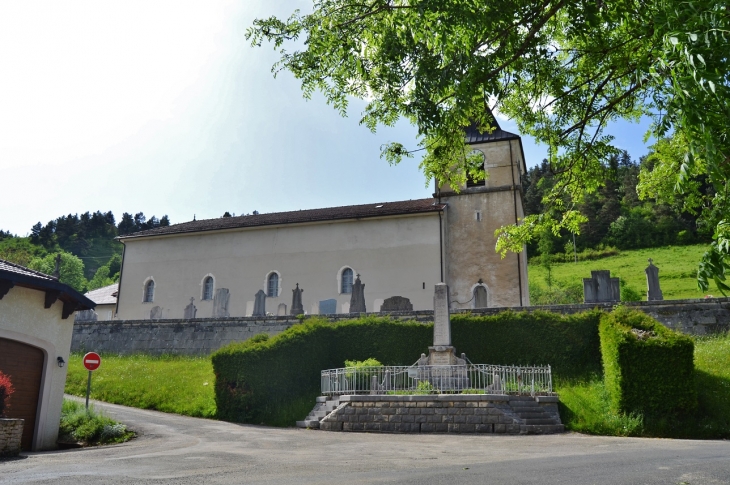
677	270
584	403
89	427
172	384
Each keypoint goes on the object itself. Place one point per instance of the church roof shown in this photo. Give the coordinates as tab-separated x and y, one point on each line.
293	217
473	135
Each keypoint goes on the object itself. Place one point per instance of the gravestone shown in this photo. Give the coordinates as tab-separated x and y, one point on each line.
296	301
654	292
190	310
600	287
259	305
328	307
281	310
156	313
357	300
220	303
85	316
396	304
480	296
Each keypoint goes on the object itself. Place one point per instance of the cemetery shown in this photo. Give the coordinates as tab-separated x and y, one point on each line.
490	370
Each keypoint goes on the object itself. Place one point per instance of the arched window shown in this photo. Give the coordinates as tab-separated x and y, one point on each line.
346	283
208	288
272	285
149	291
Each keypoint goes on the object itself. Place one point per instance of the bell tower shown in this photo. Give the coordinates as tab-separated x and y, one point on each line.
476	275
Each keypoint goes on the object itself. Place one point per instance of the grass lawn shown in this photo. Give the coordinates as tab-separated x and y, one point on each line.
173	384
677	270
584	403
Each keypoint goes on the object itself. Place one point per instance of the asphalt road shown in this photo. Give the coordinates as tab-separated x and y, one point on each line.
175	449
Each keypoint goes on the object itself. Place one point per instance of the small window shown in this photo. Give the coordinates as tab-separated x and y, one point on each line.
149	292
208	288
346	280
272	286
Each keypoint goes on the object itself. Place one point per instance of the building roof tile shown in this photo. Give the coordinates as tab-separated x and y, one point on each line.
294	217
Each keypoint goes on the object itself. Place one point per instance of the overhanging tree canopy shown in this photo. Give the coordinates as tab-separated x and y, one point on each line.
561	70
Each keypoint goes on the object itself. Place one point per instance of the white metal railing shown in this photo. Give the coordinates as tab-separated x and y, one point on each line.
438	379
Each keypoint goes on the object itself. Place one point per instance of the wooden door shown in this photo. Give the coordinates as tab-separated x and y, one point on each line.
24	365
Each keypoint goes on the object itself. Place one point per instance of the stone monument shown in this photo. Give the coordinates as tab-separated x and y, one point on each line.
600	287
156	313
396	304
259	306
327	307
190	310
220	303
441	352
357	300
296	301
654	292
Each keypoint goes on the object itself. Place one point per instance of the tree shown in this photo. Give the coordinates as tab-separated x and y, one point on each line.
562	70
101	279
71	269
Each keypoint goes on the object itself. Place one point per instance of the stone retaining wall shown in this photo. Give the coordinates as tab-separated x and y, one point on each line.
463	413
205	335
11	432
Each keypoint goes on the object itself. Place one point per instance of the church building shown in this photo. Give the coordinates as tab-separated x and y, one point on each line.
262	263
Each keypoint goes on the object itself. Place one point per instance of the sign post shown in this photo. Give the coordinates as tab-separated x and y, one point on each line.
92	361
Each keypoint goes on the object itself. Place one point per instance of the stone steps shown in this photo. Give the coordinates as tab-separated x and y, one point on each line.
323	406
533	418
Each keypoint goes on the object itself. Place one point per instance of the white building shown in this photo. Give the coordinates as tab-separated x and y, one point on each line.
35	341
398	248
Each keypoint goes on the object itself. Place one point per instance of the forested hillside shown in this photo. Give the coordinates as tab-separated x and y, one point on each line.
618	217
90	256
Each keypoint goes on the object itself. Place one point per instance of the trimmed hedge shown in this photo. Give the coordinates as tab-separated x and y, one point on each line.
274	381
647	367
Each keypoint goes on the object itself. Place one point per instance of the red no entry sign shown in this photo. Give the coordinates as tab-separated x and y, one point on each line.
92	361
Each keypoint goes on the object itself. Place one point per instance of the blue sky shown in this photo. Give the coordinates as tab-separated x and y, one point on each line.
164	108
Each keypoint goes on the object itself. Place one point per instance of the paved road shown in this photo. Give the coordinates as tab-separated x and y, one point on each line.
175	449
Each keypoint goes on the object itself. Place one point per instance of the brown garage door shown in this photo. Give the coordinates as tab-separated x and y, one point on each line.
24	364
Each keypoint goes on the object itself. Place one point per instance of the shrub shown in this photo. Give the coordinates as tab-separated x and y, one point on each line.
275	381
89	426
6	389
558	294
647	367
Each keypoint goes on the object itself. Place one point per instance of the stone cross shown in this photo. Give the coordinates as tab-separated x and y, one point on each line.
654	292
357	300
57	271
296	301
190	310
259	306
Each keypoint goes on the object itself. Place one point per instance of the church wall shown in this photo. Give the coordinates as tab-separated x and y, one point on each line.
394	256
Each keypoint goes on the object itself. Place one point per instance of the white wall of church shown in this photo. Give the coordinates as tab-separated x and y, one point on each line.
395	256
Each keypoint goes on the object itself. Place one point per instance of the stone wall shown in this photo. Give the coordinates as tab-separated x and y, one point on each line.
457	413
11	432
205	335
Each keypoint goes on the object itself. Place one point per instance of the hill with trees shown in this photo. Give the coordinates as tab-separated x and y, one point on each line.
90	255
